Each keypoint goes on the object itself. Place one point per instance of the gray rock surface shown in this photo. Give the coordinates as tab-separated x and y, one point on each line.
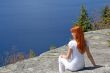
48	61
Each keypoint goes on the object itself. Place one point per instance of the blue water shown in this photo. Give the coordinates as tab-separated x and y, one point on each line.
39	24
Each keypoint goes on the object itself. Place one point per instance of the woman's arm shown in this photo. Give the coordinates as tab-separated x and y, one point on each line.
68	54
89	55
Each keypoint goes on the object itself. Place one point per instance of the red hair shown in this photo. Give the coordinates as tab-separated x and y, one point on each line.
79	37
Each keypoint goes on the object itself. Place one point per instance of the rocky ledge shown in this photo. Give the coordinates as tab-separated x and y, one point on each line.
48	61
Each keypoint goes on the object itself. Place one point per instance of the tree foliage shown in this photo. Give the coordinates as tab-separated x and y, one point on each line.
104	22
106	14
32	54
84	20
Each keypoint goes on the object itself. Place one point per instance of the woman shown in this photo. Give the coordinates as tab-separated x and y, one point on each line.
73	60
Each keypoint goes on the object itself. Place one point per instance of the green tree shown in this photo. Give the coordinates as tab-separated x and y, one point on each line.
104	19
106	14
32	54
84	20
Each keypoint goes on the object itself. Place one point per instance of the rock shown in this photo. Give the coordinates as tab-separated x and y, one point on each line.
48	62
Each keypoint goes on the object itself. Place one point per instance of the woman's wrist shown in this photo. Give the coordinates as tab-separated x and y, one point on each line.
94	65
63	56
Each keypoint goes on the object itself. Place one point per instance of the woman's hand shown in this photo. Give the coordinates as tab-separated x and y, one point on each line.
68	54
63	56
96	65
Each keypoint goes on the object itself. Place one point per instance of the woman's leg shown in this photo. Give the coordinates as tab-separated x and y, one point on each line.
65	64
61	65
72	66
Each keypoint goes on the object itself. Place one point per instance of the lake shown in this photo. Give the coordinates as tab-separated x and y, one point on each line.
39	24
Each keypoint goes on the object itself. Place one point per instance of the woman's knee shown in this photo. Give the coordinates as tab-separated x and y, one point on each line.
59	58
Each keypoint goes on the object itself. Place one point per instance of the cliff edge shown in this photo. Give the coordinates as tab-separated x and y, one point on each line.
48	61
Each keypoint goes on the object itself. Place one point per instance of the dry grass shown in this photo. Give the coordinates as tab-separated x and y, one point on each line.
109	33
15	57
109	42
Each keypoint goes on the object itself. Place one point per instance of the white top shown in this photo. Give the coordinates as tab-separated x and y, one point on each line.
77	59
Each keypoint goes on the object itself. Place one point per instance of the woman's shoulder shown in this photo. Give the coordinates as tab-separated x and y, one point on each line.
72	42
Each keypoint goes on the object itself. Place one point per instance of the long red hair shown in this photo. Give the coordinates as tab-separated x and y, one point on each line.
79	37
